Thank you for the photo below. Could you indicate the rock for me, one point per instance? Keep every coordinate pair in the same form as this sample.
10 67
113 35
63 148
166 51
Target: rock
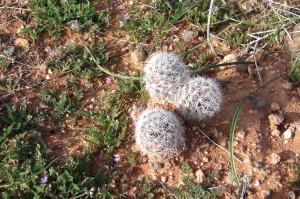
43 105
275 158
48 77
287 85
22 43
189 35
163 179
205 159
89 85
288 134
230 179
241 134
124 179
47 49
257 102
75 25
293 46
199 176
138 55
156 165
194 128
275 107
205 145
275 119
201 39
9 50
256 183
275 132
260 164
230 58
266 193
291 195
222 140
132 190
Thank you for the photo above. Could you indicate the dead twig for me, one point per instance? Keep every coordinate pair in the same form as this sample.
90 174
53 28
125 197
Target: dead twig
208 28
217 144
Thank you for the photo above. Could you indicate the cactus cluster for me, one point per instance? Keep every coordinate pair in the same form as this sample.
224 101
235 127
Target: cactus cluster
164 74
200 98
159 134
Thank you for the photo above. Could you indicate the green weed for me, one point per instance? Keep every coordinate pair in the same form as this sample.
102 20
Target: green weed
3 63
8 85
28 171
62 104
52 15
112 120
76 61
295 71
193 190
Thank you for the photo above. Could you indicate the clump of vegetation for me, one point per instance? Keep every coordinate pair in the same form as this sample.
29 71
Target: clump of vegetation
193 190
53 15
76 61
111 120
61 105
28 170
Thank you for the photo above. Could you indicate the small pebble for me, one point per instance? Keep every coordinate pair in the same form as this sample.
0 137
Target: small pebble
275 132
288 134
257 183
9 50
275 158
287 85
275 107
205 159
189 35
241 134
138 55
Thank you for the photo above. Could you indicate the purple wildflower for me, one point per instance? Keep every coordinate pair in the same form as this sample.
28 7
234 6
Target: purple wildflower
117 157
52 53
270 2
121 24
126 16
107 80
214 8
1 108
43 180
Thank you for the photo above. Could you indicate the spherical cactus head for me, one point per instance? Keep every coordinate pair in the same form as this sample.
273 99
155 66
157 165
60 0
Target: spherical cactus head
164 74
200 98
159 134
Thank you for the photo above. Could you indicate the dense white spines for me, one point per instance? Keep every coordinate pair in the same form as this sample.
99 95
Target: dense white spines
164 74
159 134
199 98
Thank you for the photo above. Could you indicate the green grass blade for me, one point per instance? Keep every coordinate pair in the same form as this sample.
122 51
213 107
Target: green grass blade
234 121
219 65
107 71
231 139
